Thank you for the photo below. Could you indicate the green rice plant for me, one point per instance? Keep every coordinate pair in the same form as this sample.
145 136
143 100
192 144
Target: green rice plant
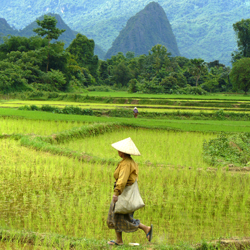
10 125
146 111
51 194
158 147
159 103
46 143
184 125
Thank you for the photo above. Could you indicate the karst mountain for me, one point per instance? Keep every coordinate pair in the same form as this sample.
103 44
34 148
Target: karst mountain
144 30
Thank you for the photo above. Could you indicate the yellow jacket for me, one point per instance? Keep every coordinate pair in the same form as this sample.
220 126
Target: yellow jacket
125 174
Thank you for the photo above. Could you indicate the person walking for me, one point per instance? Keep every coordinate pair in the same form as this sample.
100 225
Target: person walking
136 112
125 174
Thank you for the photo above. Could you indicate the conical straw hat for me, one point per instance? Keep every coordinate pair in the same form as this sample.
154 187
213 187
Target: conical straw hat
126 146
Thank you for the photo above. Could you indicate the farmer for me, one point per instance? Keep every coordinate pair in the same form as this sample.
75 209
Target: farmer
125 174
135 112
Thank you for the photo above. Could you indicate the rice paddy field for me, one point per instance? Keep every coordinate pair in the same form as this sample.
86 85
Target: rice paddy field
158 147
169 106
21 126
53 200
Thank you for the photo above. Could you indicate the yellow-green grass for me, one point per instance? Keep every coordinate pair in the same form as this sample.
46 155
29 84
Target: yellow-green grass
10 126
193 110
185 125
142 108
53 194
20 246
18 103
217 96
157 147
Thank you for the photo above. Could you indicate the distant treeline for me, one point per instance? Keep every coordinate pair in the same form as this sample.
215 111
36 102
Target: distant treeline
35 64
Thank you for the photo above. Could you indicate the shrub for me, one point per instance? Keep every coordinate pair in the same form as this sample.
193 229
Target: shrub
47 108
150 87
24 108
133 86
36 94
55 79
226 149
211 85
100 88
34 107
189 90
12 78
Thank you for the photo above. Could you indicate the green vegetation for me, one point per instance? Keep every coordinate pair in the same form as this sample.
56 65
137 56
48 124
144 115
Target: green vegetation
56 130
12 126
240 74
144 30
77 68
53 181
159 73
36 65
82 51
166 145
242 29
156 108
47 28
202 29
194 113
184 125
227 149
5 29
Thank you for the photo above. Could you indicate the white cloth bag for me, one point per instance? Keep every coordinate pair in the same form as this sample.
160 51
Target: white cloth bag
130 200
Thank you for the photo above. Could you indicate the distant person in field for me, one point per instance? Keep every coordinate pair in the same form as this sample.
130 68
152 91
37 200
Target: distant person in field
135 112
125 174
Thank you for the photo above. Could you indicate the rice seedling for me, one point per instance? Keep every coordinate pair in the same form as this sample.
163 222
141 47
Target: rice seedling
178 105
185 125
44 193
9 125
157 147
170 96
55 195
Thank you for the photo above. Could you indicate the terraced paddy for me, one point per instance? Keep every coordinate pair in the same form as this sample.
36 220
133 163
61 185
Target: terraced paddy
164 146
178 105
56 178
10 126
46 193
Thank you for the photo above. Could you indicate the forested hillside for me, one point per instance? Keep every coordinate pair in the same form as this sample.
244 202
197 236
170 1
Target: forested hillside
5 29
66 37
39 64
144 30
202 28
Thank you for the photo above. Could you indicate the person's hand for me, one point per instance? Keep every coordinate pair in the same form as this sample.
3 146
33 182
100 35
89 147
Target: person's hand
115 198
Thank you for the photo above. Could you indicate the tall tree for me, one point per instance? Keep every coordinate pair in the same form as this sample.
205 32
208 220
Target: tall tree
47 28
197 69
18 43
240 74
121 74
242 30
103 70
82 49
159 56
